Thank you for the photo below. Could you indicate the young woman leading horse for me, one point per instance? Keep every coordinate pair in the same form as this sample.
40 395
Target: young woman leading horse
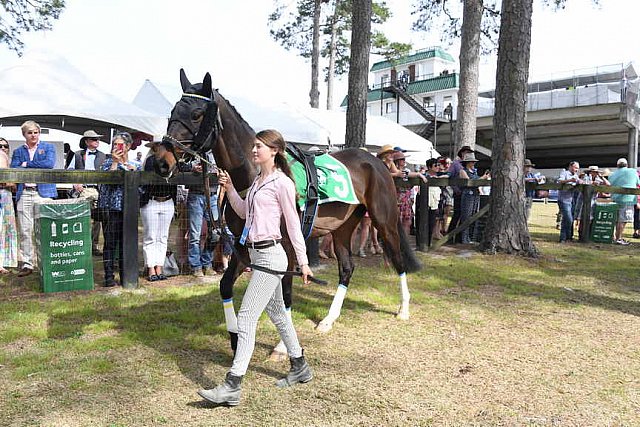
203 120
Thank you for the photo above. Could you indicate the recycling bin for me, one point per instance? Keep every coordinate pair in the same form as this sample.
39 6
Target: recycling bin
63 242
605 217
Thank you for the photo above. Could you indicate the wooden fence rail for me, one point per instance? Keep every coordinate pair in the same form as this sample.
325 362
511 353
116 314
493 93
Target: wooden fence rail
132 180
131 200
422 234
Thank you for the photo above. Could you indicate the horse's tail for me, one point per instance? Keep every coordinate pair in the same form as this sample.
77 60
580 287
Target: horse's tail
411 261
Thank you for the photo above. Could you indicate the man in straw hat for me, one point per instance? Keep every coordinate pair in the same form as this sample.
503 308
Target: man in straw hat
91 159
531 176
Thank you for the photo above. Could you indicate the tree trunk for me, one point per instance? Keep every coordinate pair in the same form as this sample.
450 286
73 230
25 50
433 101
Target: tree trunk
506 229
469 70
314 93
332 56
358 74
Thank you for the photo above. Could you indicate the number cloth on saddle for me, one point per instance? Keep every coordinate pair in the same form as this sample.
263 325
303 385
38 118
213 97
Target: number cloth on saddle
334 180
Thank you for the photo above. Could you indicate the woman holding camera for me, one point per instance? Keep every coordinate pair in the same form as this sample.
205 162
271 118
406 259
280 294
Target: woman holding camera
110 202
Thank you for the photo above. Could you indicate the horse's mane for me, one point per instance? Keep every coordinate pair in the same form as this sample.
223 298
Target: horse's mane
232 108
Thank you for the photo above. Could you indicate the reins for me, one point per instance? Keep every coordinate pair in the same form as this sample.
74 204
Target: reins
267 270
211 127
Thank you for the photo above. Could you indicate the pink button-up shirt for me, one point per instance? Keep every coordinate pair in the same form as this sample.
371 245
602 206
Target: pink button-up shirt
265 204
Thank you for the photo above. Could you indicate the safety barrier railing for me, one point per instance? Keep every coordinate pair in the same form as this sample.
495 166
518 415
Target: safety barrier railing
131 181
422 234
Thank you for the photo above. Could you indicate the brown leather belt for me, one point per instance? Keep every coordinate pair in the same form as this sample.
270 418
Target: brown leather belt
160 198
263 244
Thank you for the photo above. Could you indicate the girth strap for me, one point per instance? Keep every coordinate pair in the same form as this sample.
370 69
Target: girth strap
311 203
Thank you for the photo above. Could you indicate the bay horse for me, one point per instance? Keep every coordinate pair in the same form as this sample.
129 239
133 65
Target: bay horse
204 120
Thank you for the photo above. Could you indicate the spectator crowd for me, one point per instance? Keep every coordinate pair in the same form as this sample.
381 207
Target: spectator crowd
159 205
449 206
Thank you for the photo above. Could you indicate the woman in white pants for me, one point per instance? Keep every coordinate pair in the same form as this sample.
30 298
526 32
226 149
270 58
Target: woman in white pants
157 208
270 197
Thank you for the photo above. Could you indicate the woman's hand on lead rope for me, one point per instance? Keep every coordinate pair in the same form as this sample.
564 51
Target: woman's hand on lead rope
225 180
306 272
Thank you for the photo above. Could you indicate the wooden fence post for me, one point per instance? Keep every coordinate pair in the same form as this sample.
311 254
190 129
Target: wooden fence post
422 231
585 215
130 214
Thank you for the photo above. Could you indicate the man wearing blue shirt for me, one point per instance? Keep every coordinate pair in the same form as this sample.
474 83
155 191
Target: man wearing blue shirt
624 177
37 155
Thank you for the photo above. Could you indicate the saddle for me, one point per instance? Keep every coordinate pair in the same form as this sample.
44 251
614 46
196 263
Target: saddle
311 203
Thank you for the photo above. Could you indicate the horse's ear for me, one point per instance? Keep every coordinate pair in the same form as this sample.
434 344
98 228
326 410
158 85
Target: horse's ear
206 85
184 81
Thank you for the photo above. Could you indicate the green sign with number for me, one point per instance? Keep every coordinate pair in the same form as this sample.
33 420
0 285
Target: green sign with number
605 216
334 181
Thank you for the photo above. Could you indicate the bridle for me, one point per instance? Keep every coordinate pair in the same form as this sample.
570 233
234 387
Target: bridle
209 130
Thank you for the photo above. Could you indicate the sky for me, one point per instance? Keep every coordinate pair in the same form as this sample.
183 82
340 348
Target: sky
120 43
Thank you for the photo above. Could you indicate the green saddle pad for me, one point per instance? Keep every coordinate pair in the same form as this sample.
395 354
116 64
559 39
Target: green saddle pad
334 181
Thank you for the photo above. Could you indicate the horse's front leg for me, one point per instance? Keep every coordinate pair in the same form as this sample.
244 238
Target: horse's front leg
235 268
342 246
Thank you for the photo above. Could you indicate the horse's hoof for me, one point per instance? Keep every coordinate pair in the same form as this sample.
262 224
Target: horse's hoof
324 327
402 315
278 356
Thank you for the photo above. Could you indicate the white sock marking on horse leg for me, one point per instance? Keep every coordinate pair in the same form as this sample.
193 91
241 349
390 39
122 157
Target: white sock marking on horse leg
230 315
281 348
403 312
334 311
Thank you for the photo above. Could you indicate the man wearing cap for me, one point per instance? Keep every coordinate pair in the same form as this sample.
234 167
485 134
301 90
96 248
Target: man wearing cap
454 172
624 177
531 176
91 159
39 155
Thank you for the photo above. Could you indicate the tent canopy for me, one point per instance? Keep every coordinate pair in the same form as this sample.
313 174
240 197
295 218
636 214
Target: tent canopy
380 131
307 126
49 90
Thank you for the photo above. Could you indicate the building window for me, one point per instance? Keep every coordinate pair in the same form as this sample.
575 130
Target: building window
384 80
390 107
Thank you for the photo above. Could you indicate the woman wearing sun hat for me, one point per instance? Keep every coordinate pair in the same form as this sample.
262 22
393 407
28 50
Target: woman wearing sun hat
385 153
470 197
405 195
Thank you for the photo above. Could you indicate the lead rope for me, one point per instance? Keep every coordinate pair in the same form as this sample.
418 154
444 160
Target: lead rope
255 267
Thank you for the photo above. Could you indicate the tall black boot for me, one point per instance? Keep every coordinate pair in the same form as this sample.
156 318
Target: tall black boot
227 393
300 372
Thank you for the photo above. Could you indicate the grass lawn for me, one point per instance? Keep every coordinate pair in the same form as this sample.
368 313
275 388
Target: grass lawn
492 340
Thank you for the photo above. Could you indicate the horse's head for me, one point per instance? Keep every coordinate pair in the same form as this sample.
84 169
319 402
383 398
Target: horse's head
192 129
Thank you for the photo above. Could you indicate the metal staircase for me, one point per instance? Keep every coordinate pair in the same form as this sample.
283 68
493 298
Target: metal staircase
399 88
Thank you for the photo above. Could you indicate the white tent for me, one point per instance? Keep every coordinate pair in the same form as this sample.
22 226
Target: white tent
51 91
380 131
294 126
308 126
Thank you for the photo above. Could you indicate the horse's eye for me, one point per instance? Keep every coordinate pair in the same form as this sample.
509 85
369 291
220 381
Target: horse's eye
197 115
